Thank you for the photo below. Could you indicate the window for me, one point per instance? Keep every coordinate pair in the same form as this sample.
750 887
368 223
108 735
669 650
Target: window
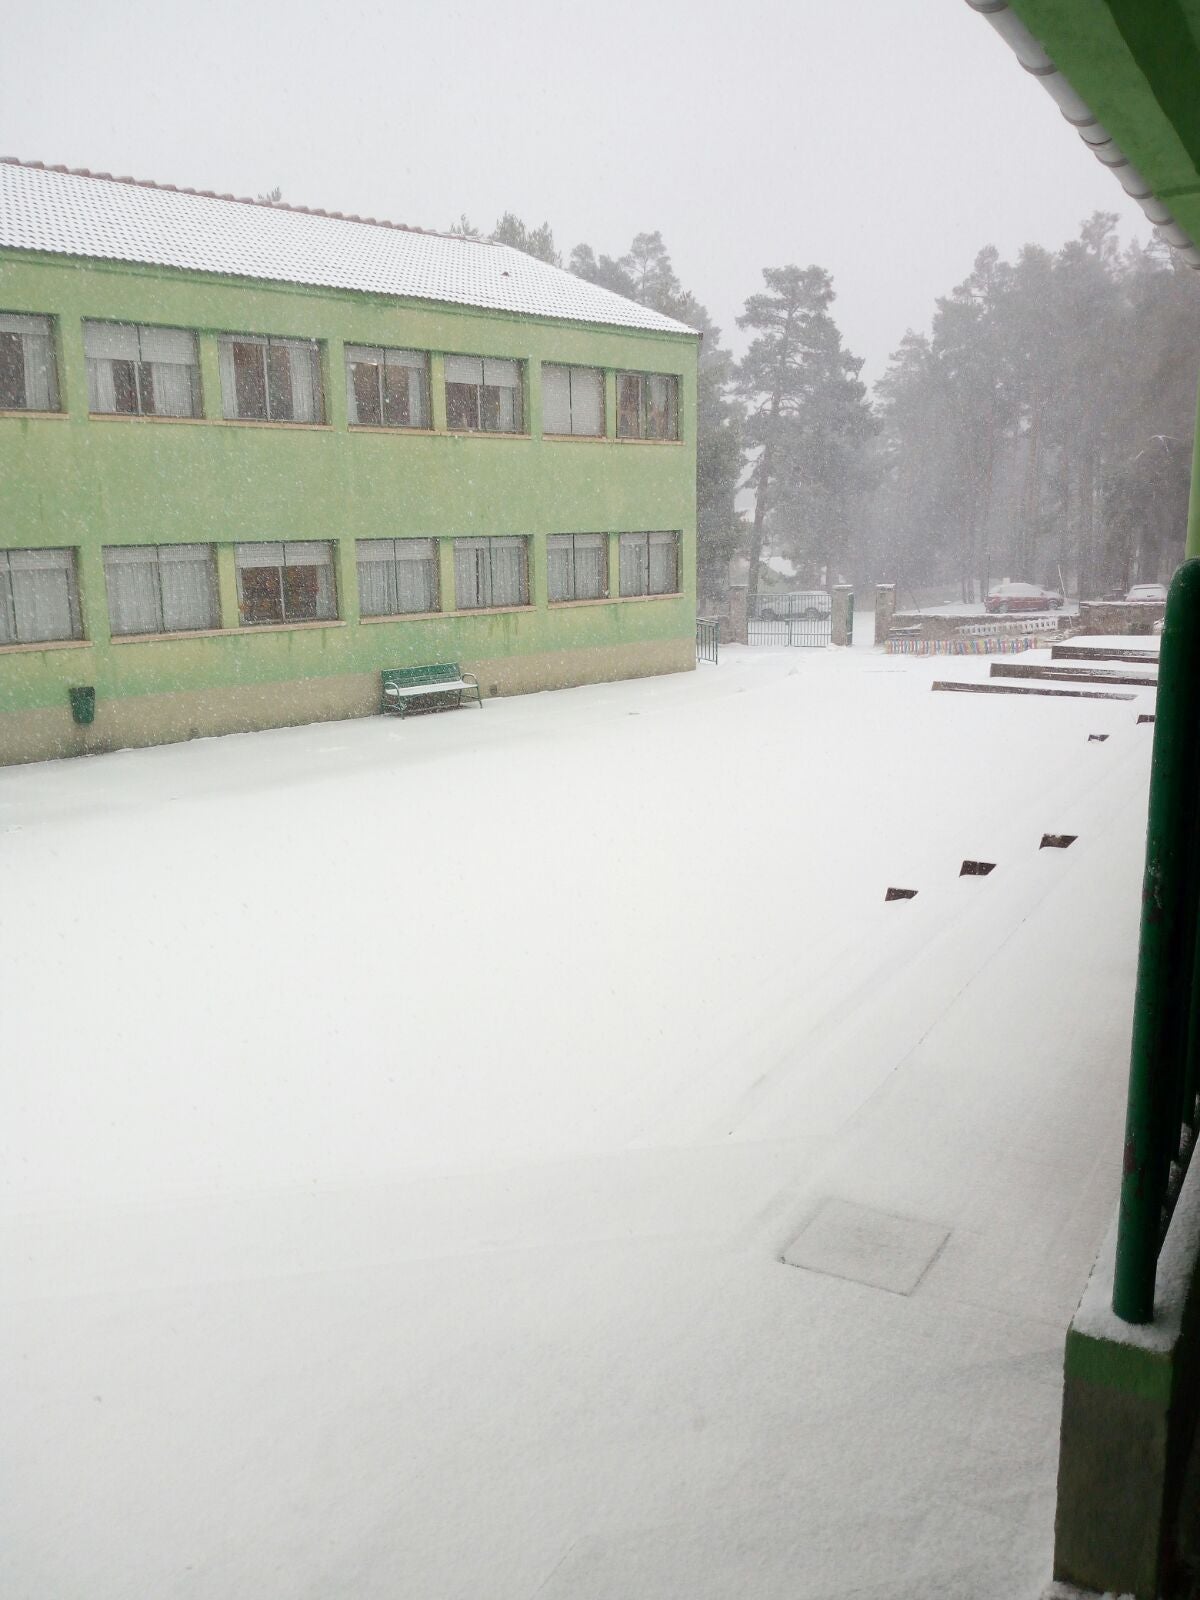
397 576
483 395
271 380
387 388
491 572
649 563
577 566
285 582
647 405
573 401
167 588
141 372
28 377
39 596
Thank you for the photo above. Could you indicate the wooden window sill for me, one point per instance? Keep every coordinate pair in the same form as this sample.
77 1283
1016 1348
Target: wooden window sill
620 440
404 616
284 627
566 605
382 427
46 644
224 633
631 598
139 416
487 611
482 433
188 633
260 422
578 438
42 416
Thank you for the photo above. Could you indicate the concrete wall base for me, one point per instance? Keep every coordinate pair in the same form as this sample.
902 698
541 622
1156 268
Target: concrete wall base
1130 1401
49 733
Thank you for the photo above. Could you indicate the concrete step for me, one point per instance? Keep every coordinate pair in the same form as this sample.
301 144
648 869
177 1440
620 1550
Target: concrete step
959 687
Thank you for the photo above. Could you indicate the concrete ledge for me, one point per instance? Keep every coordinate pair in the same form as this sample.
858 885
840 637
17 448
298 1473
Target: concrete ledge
127 721
1128 1421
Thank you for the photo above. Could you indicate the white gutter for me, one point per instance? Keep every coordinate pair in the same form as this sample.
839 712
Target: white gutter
1035 60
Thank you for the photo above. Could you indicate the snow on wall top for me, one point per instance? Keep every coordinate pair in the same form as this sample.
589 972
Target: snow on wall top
123 219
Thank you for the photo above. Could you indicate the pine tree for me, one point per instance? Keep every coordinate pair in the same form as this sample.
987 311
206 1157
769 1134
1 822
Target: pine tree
537 242
807 416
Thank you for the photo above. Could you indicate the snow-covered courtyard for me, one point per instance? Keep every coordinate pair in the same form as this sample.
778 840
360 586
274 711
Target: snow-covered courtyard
404 1125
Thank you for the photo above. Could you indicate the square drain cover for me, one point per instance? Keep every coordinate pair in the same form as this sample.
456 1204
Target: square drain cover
867 1246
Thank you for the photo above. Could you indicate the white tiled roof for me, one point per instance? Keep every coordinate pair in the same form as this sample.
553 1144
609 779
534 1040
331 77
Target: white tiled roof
116 219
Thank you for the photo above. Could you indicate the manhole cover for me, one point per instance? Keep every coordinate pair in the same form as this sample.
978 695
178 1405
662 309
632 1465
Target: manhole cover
873 1247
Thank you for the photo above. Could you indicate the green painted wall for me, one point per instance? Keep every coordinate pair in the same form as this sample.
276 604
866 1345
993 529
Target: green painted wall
88 482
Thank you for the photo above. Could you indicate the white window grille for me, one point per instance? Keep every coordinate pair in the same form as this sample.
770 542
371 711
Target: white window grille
577 566
39 596
491 572
136 371
573 401
397 576
169 588
28 374
387 388
285 582
270 380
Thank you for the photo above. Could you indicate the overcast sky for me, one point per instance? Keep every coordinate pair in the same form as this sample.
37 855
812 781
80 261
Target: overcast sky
887 140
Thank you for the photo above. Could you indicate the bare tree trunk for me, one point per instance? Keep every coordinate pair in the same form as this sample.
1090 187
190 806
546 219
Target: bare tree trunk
1087 525
760 514
1031 499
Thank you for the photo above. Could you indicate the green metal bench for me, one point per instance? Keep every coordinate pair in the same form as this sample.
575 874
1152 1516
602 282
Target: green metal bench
442 687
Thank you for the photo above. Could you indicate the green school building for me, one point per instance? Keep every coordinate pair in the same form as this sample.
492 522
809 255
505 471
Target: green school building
251 455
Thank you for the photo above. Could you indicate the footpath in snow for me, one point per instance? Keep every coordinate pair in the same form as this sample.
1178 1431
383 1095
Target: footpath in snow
519 1153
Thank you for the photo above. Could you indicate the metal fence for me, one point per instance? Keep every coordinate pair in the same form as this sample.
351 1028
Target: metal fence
1161 1120
708 639
800 621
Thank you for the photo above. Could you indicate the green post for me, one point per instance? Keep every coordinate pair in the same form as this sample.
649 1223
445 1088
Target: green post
1159 1043
1193 527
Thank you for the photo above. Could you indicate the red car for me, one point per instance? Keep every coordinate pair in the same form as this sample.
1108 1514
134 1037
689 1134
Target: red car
1007 597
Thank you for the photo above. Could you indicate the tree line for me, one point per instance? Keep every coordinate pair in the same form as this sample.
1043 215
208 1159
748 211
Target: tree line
1041 430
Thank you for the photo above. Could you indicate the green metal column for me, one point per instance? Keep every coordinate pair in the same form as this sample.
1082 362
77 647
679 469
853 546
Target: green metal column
1193 527
1165 954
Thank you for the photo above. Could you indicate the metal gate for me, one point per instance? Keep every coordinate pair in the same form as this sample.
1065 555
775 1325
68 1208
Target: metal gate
708 639
801 621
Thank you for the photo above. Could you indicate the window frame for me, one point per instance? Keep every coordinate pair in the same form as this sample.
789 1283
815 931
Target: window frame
48 332
571 369
383 351
648 537
521 406
673 407
574 598
397 544
281 566
489 542
140 364
315 349
155 551
9 613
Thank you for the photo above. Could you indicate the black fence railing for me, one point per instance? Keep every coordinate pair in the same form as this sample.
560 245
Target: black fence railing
708 639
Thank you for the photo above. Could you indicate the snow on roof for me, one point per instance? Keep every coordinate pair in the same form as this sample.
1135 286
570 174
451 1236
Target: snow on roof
124 219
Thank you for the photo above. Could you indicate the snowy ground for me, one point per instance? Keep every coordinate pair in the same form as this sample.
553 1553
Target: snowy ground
402 1124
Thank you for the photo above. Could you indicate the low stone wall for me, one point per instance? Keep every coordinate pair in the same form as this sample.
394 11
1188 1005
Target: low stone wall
920 625
1120 616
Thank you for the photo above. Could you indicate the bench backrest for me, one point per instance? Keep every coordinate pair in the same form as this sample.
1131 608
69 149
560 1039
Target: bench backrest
410 677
